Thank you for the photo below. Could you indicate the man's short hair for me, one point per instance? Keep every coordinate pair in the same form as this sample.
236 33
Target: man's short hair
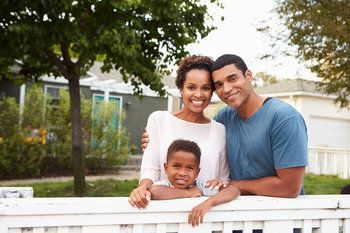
186 146
229 59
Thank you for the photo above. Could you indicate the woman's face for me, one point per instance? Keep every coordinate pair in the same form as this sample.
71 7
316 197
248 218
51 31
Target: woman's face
196 91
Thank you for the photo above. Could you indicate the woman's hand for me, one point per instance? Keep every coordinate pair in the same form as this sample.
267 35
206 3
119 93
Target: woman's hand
140 197
216 183
144 140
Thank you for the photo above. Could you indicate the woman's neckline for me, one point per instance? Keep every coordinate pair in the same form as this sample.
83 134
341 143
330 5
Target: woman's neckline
188 122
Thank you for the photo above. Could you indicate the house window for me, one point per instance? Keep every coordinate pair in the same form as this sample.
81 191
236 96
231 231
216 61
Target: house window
54 92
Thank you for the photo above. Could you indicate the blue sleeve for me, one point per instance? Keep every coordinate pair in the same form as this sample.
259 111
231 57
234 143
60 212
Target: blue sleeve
220 116
289 142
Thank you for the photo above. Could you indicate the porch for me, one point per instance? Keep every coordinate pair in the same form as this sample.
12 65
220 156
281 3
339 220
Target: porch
311 213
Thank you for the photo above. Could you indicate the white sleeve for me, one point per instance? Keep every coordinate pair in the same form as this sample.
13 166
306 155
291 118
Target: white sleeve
224 172
150 166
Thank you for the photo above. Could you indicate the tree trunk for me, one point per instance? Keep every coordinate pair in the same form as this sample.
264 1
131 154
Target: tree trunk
77 137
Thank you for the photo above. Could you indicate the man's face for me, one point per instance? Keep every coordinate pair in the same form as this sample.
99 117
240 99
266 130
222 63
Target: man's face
182 169
232 86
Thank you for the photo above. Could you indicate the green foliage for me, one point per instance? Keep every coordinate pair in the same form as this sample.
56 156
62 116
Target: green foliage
320 32
112 141
108 145
24 150
140 37
21 148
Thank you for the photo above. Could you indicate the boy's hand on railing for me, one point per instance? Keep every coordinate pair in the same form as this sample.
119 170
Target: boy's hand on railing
140 197
196 215
194 191
216 183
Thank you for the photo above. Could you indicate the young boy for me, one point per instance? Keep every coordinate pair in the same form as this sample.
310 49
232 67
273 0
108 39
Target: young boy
182 168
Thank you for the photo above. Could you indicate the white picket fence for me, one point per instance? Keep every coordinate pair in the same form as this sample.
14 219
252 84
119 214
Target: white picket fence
329 161
311 213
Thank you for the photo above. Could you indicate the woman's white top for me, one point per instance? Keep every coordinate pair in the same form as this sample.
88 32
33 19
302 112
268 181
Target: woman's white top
163 128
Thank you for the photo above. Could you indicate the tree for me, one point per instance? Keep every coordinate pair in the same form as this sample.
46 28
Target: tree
264 79
320 32
64 38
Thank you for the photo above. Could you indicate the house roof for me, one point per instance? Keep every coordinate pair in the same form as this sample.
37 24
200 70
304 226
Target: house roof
113 74
289 86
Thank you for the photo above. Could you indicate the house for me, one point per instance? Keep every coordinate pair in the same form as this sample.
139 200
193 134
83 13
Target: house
328 125
108 86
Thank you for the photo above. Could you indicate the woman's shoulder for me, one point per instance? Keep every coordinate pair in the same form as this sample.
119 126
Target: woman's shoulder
158 114
218 126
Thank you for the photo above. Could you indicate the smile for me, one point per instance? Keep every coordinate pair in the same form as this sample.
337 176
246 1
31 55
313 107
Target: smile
232 96
197 102
180 181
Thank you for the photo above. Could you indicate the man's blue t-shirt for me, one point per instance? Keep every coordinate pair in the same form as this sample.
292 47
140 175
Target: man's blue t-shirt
274 137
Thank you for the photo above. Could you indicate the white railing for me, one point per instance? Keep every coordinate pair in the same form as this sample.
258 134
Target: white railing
329 161
312 213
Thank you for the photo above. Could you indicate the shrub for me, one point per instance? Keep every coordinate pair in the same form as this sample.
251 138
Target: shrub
22 147
41 144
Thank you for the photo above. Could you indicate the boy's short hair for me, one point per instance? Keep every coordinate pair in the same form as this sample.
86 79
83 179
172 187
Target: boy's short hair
229 59
186 146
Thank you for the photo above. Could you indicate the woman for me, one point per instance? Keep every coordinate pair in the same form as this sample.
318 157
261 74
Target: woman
196 87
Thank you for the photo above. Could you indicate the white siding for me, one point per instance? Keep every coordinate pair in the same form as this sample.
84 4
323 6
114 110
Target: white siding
328 132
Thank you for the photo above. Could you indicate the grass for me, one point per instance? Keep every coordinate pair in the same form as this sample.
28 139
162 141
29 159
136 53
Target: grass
313 184
98 188
316 184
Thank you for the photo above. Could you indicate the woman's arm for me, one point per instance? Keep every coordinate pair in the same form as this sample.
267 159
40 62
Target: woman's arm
140 196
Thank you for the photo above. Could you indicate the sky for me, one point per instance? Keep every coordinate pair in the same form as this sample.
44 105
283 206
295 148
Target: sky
237 34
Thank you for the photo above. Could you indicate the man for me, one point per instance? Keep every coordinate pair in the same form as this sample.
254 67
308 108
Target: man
266 139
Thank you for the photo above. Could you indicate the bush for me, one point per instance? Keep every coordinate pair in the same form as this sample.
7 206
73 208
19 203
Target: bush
41 144
22 148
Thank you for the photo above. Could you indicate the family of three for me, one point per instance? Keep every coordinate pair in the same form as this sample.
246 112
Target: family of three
254 145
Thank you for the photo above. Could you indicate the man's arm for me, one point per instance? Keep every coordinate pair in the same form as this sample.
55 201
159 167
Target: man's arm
162 192
287 183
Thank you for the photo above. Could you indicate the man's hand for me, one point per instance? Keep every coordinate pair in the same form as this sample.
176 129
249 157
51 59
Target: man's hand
140 197
144 140
216 183
197 213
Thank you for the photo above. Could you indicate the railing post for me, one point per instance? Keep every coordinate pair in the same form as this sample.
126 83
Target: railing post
276 226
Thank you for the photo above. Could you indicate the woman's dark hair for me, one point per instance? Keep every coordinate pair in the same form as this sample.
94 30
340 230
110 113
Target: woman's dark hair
229 59
192 62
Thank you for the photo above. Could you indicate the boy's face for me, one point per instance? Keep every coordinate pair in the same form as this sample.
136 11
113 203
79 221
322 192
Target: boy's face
182 169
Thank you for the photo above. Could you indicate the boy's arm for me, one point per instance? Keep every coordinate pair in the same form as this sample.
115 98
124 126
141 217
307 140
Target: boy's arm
225 195
162 192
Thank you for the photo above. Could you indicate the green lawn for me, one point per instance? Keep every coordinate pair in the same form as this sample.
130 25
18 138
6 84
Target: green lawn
98 188
115 188
324 184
